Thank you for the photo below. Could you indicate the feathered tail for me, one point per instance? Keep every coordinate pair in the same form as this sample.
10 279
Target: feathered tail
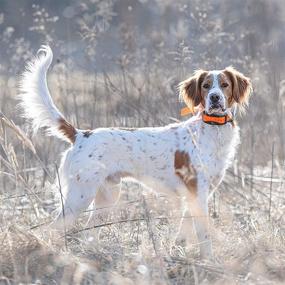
37 102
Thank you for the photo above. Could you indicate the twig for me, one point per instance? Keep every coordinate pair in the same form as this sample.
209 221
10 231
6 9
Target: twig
215 215
107 224
39 225
147 219
151 235
127 221
62 205
252 161
118 205
270 193
22 195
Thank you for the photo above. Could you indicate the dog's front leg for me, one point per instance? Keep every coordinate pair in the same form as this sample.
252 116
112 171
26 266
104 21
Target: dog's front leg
199 211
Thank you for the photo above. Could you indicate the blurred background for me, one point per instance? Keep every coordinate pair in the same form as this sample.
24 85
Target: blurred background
118 63
135 53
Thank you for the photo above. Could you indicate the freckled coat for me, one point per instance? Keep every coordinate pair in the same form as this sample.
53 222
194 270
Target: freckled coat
167 157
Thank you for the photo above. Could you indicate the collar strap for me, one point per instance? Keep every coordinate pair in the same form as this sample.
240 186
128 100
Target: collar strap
216 119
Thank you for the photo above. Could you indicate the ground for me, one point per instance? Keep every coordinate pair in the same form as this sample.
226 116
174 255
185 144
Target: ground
135 243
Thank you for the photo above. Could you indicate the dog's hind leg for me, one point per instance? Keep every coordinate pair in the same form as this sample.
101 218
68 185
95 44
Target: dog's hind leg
106 197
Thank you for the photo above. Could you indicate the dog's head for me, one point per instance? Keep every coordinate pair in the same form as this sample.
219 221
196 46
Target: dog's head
216 91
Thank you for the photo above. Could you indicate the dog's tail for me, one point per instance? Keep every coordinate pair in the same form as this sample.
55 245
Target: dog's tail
37 102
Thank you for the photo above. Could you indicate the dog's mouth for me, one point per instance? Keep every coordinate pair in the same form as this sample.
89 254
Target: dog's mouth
216 109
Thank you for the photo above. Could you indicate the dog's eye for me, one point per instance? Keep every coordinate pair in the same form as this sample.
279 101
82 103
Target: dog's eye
224 85
206 86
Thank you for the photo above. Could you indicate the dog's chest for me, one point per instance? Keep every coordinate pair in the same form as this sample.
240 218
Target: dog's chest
214 148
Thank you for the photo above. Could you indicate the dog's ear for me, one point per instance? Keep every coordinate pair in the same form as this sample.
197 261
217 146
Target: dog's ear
241 87
190 89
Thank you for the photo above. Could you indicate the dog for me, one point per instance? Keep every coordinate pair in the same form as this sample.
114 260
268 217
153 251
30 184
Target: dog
188 158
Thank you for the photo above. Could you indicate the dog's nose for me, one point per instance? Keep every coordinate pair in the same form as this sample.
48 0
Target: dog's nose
215 98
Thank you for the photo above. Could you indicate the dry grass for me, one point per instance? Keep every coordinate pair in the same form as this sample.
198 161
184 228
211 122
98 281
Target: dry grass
135 243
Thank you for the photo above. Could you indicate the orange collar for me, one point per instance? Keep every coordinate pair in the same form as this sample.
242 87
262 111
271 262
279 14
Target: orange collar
211 119
216 119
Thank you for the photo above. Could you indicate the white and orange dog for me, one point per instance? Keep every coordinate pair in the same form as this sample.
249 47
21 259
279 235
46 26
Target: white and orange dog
187 158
